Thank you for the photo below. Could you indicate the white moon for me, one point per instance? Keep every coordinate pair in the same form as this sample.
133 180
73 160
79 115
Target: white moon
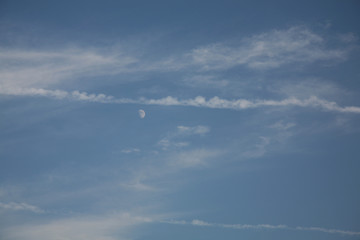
141 113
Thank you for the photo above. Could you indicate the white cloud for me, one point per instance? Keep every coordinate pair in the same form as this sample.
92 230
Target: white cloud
201 223
206 81
172 140
348 37
13 206
197 130
268 50
130 150
259 149
166 143
197 222
199 101
139 186
306 88
280 125
40 68
240 104
326 230
31 68
120 226
257 227
79 228
192 158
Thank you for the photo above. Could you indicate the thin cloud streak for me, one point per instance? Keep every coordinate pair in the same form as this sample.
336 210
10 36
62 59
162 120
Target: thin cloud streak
199 101
201 223
13 206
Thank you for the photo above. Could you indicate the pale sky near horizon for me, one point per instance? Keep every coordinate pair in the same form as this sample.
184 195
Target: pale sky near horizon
179 120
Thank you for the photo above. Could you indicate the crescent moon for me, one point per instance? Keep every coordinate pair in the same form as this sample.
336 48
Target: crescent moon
141 113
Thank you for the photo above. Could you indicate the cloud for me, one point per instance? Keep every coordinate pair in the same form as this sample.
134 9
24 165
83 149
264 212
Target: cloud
167 142
13 206
327 230
40 68
259 149
201 223
130 150
240 104
192 158
197 130
268 50
197 222
172 140
348 37
139 186
119 226
79 228
206 81
34 68
280 125
306 88
199 101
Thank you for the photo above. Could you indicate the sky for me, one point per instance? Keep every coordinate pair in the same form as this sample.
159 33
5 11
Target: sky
134 120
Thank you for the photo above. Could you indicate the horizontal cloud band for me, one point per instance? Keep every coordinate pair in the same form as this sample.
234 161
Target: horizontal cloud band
196 222
215 102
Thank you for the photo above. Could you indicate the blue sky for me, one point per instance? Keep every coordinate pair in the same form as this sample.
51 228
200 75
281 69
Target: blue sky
251 126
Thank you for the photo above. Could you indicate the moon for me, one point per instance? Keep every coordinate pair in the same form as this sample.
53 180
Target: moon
141 113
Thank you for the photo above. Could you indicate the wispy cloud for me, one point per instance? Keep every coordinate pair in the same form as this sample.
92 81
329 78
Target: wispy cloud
36 68
79 228
13 206
206 81
175 139
200 130
268 50
130 150
281 125
40 68
201 223
259 149
192 158
137 185
167 142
